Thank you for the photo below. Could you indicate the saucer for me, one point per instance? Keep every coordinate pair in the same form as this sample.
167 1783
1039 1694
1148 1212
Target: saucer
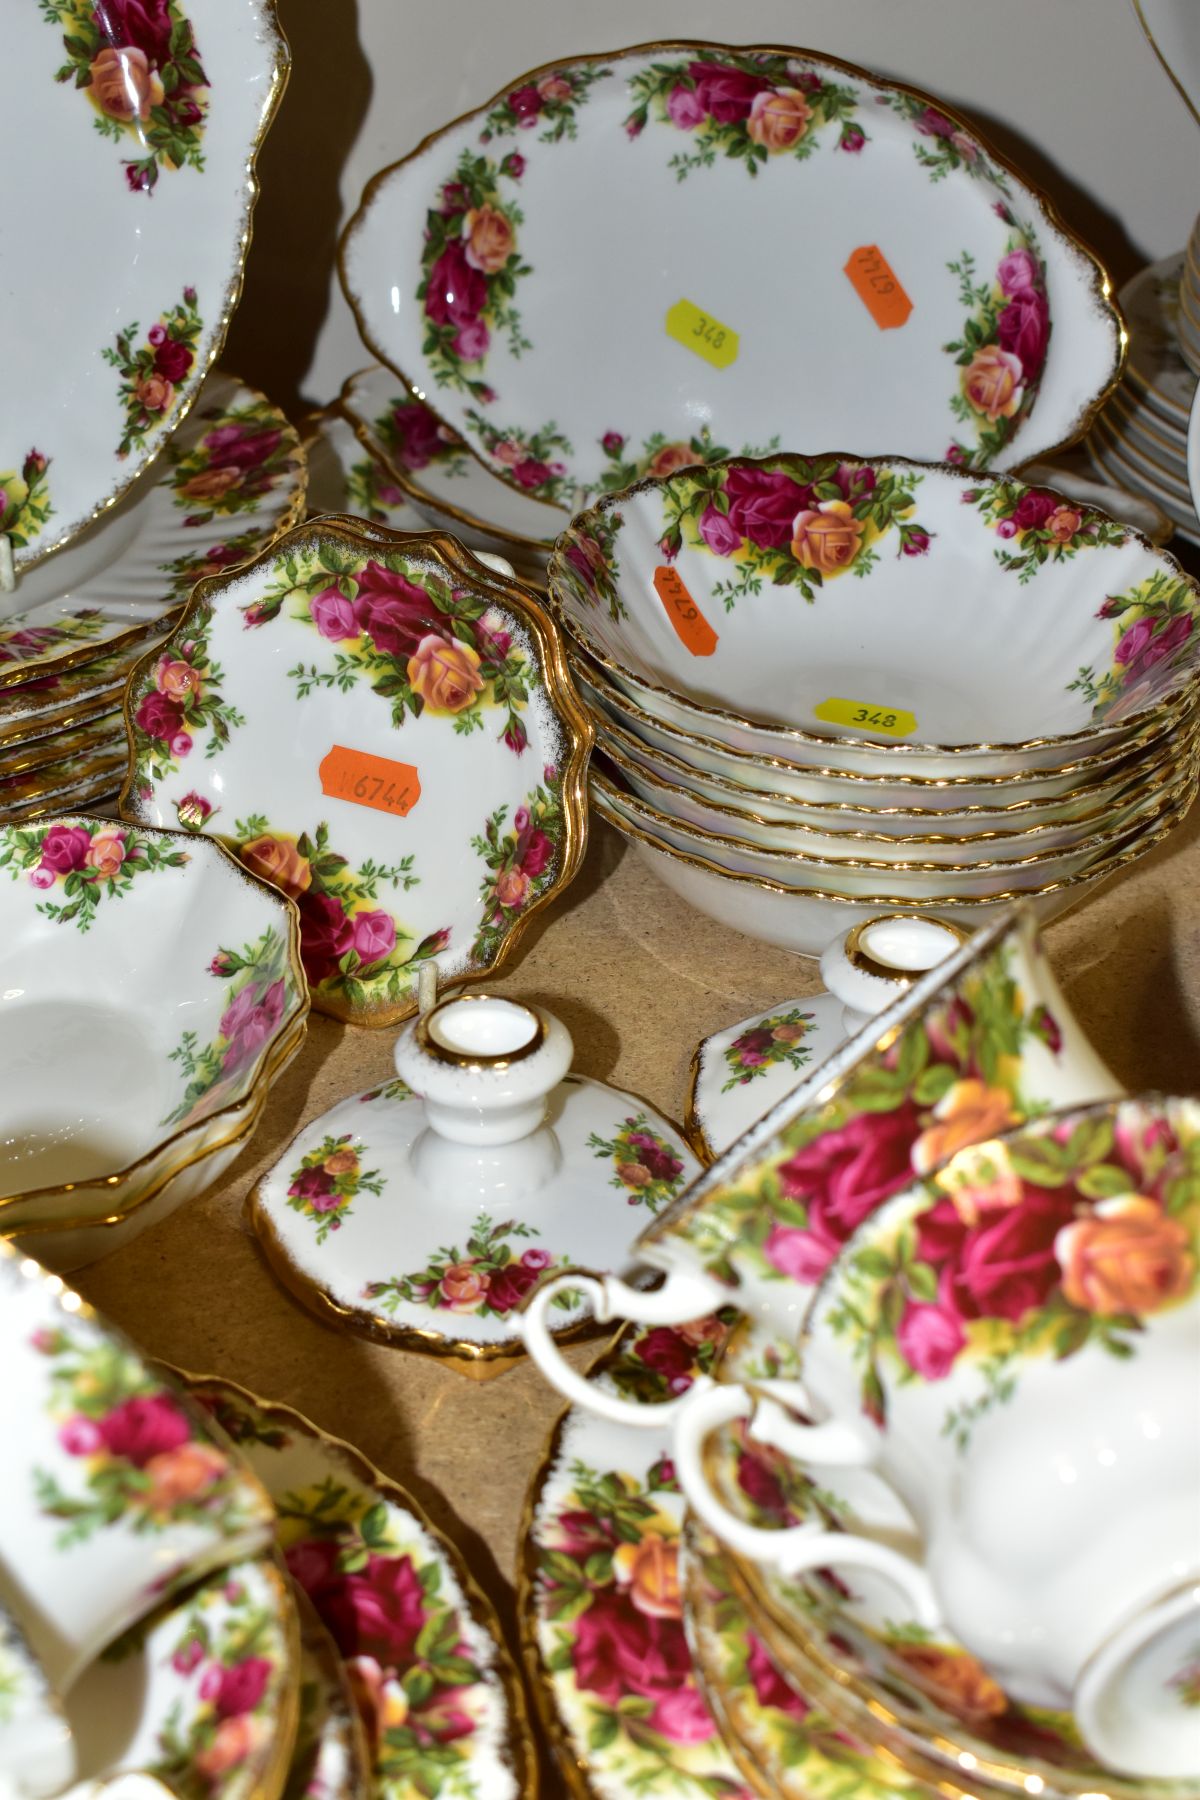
203 1695
738 1074
385 730
439 1699
369 1240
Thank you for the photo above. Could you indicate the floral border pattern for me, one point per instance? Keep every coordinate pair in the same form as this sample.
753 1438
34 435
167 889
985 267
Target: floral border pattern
774 1040
150 372
486 1280
87 864
528 460
470 269
415 438
139 66
1041 526
245 453
1002 349
1155 627
551 101
25 499
327 1179
644 1165
521 862
260 993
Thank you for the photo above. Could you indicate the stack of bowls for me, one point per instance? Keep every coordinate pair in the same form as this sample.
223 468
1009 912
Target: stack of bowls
825 686
1140 439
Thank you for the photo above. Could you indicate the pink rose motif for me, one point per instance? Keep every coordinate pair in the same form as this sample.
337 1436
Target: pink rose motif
530 473
188 1657
852 139
655 1156
159 717
1019 272
554 87
394 612
508 1287
929 1339
143 1427
856 480
770 1688
612 443
325 935
1142 647
933 123
516 736
471 340
234 447
801 1255
417 433
65 848
763 504
374 936
914 543
333 615
454 292
684 108
377 1611
512 888
181 743
537 855
1023 328
537 1259
726 95
526 103
718 533
237 1689
81 1436
683 1717
255 1027
845 1175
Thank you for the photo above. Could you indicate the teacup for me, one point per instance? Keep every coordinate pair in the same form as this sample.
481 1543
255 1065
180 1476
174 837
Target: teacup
1012 1345
981 1042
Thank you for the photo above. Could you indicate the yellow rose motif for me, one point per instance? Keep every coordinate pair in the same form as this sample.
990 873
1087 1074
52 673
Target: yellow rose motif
979 1179
342 1162
278 862
445 673
106 853
967 1113
669 459
487 238
779 119
123 84
650 1570
955 1680
828 538
992 382
1129 1256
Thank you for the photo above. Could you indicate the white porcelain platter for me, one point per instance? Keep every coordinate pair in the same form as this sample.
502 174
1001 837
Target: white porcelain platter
882 617
384 731
232 477
433 467
123 269
555 273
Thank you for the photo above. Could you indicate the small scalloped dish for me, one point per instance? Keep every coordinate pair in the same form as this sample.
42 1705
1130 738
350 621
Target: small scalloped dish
950 624
151 991
499 263
386 731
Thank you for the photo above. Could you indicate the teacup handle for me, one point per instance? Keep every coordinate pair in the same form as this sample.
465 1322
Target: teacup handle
681 1298
834 1444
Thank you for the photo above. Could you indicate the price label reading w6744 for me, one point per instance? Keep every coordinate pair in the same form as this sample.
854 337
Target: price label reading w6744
878 287
365 780
691 627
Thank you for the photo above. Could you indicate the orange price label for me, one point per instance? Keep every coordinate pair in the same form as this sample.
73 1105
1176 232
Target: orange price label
691 627
364 780
878 287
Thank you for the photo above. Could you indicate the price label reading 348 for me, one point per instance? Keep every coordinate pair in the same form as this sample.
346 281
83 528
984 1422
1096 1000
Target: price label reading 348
866 717
700 333
366 780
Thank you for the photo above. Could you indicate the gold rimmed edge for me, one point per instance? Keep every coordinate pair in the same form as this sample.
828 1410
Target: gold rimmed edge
1159 710
243 1130
1141 783
475 1060
563 702
100 793
45 721
477 1361
1148 732
1101 869
1155 741
354 415
37 752
281 66
1169 71
1121 455
1102 841
518 1742
99 765
693 1123
1118 411
298 1014
18 674
1100 282
1140 461
862 959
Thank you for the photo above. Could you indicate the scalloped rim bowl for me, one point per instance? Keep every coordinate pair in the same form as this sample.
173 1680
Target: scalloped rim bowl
978 626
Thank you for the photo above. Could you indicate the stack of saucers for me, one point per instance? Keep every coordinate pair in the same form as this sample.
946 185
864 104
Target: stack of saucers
826 685
1140 439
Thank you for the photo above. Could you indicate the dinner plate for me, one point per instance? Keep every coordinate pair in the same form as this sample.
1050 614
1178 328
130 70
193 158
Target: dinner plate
439 1698
512 267
230 479
123 273
386 732
1150 301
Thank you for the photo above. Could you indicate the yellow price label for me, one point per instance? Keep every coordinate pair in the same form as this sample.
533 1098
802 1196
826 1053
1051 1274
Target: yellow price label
867 717
701 333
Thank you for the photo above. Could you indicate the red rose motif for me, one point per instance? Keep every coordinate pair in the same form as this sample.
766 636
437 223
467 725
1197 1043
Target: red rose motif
455 292
143 1427
159 717
312 1184
664 1351
770 1688
845 1174
531 473
763 504
395 613
654 1156
145 24
1023 329
234 447
249 1024
325 935
173 359
620 1650
1033 509
537 854
377 1611
726 94
759 1482
65 848
1004 1266
508 1287
417 433
526 103
239 1688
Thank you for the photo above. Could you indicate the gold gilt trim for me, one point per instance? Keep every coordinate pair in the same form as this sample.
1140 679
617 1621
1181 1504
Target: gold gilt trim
566 707
881 971
602 799
693 1124
820 741
442 1052
280 70
1106 759
479 1362
1144 781
1100 282
101 793
99 1185
1171 75
49 749
17 674
1141 462
346 408
521 1755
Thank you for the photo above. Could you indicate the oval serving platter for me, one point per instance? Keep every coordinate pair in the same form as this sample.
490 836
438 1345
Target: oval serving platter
573 274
